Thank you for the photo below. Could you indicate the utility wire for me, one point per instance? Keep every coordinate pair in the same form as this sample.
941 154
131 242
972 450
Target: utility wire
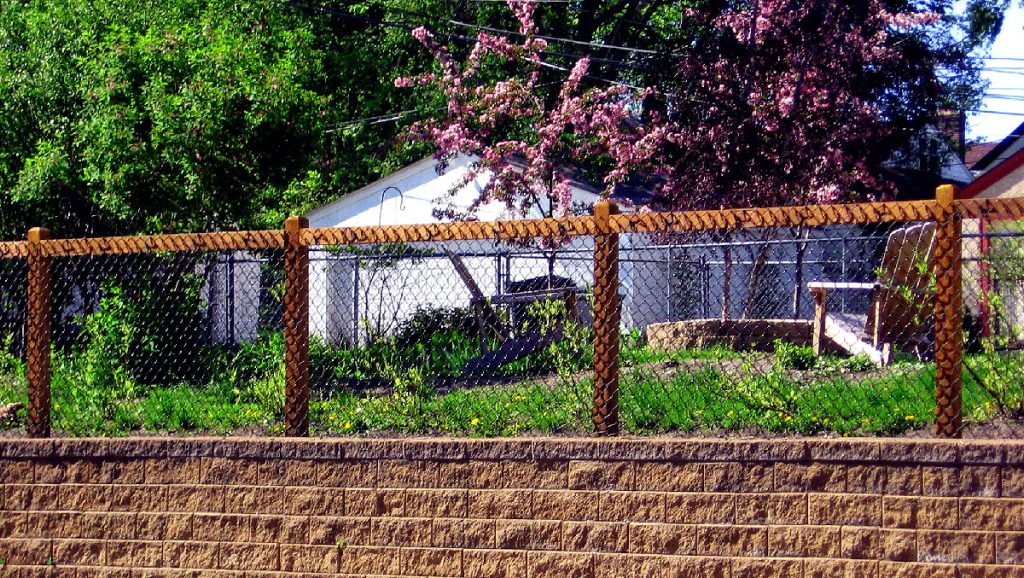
556 39
407 26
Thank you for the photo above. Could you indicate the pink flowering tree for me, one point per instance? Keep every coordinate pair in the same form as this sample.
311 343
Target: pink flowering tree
785 101
778 102
532 142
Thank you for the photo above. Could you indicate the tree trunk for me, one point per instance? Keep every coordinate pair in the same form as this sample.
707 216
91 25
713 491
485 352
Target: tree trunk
801 248
757 275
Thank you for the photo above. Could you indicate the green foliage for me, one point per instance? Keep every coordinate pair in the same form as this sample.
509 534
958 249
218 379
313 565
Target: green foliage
149 337
9 363
13 386
187 114
791 356
1000 376
427 323
831 364
575 350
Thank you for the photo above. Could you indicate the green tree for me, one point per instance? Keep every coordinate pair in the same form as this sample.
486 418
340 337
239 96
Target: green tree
128 115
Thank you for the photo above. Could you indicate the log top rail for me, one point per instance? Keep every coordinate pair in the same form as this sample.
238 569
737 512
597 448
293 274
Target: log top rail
1011 208
808 216
179 242
13 249
563 227
461 231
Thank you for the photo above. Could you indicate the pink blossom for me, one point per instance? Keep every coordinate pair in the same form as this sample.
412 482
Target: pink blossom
772 128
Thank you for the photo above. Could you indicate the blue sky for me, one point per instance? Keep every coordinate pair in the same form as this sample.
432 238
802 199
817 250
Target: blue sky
1006 78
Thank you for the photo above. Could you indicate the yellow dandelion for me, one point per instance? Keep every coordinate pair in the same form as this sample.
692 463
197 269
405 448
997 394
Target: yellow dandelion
475 421
909 418
348 425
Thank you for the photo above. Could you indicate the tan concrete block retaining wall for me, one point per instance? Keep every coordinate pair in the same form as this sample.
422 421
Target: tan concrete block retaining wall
519 508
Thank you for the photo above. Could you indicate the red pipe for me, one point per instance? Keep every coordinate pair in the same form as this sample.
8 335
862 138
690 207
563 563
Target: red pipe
986 280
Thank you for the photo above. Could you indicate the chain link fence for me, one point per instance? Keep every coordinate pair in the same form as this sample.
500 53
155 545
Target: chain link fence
468 337
13 308
167 341
885 319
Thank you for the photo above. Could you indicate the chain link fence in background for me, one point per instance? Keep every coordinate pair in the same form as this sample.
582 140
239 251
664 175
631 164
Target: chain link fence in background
884 319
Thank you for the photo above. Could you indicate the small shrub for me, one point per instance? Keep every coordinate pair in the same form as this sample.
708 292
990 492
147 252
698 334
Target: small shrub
9 363
789 356
575 350
426 323
855 363
150 334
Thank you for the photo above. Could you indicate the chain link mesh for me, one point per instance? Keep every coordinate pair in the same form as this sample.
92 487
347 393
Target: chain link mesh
887 319
13 314
187 341
795 330
478 337
992 282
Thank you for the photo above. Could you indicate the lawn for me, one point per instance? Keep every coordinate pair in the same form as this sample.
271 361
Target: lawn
398 385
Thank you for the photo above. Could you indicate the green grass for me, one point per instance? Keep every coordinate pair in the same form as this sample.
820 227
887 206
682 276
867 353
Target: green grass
708 390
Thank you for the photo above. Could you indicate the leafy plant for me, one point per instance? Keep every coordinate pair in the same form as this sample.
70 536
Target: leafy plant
9 363
574 350
828 363
789 356
426 323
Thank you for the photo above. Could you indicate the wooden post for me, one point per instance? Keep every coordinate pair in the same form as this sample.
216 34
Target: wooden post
949 342
818 337
296 328
40 300
606 322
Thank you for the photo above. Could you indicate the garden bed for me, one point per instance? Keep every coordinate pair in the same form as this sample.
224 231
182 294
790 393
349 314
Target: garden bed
738 334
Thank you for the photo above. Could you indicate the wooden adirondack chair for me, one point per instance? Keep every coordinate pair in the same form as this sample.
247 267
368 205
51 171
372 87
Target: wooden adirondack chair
901 301
511 345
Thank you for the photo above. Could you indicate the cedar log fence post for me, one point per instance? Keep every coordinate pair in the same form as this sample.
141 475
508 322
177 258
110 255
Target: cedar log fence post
296 328
606 321
949 342
37 336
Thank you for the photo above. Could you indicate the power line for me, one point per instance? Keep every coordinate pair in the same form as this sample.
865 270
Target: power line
408 26
1002 112
514 33
556 39
371 120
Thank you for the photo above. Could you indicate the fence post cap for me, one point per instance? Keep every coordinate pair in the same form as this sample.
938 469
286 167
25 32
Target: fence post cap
36 234
605 208
294 223
947 193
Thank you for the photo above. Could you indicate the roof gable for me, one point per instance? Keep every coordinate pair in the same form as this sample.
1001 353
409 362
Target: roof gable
408 196
1002 151
992 177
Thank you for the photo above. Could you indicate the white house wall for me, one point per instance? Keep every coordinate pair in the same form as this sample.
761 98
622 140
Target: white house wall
1012 185
347 304
353 298
411 195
